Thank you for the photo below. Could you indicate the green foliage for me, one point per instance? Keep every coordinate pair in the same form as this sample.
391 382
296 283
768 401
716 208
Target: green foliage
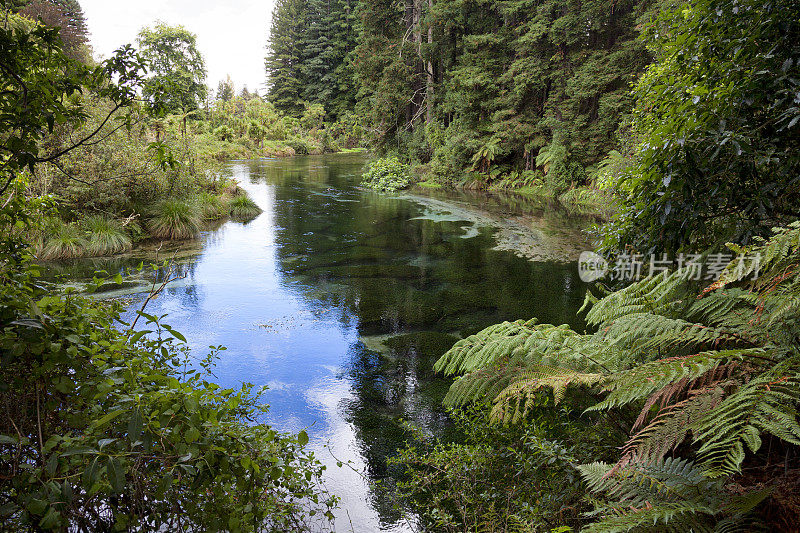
39 82
310 44
223 133
387 174
174 219
507 479
505 80
106 236
176 83
241 207
68 17
105 429
211 206
225 90
709 376
66 241
717 123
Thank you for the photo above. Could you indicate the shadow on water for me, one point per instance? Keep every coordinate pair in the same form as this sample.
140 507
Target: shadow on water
340 300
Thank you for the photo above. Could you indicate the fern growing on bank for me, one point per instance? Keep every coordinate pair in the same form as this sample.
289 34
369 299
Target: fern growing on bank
702 376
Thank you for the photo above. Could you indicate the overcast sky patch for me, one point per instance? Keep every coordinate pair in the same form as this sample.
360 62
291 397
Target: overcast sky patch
231 35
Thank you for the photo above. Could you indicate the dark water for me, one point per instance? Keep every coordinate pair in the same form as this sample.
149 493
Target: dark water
340 300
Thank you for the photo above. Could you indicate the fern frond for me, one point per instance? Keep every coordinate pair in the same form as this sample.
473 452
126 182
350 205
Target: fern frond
640 382
533 379
650 336
656 295
486 347
766 404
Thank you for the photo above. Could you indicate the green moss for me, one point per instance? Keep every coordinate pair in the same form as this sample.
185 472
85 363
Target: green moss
429 184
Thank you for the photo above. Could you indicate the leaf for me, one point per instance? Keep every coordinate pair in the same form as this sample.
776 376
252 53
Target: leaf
79 450
302 438
116 475
135 426
107 418
102 443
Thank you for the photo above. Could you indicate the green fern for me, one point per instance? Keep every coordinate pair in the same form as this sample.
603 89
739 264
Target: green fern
710 370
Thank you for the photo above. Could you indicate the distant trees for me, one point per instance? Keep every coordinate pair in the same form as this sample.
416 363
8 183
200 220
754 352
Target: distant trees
309 55
67 15
225 90
512 78
176 83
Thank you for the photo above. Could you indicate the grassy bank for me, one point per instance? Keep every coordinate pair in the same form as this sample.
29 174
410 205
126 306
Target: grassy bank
163 176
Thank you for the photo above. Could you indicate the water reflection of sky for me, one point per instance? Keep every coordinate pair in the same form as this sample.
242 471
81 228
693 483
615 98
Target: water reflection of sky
302 335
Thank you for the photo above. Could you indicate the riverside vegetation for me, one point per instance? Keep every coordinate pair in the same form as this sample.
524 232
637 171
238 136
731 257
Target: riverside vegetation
104 427
156 174
675 411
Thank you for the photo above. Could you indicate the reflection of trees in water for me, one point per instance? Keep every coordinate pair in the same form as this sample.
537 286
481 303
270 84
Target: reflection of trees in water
398 385
368 263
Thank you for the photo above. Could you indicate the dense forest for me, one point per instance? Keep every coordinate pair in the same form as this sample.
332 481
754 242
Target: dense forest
678 122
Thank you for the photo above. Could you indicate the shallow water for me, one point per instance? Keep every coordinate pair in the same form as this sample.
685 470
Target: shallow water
340 300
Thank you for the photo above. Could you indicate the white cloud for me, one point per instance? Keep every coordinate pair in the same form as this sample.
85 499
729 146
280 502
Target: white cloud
231 35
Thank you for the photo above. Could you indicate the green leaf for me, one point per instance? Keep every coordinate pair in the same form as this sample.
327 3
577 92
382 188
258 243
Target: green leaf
302 438
116 475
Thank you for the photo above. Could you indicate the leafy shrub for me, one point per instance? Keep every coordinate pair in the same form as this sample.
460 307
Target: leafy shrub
560 168
174 219
241 207
301 145
708 169
108 430
106 236
67 241
502 478
223 133
387 174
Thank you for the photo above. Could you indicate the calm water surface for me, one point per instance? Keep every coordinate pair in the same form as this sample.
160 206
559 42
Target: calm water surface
340 300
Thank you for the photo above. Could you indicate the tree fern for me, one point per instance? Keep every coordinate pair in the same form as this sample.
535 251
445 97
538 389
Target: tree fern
705 371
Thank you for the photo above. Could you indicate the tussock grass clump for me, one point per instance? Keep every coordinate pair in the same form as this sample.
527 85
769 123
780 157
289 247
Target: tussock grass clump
211 206
67 241
174 219
241 207
106 236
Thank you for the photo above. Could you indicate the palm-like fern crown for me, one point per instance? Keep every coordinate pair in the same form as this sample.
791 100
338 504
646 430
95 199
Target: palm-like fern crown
714 369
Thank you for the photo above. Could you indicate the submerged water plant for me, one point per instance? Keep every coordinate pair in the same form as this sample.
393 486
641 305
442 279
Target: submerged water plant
174 219
241 207
106 236
67 241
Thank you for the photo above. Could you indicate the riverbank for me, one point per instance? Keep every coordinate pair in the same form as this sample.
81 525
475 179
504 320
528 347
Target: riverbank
390 174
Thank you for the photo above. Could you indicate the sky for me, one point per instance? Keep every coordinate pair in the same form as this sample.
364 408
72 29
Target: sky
231 35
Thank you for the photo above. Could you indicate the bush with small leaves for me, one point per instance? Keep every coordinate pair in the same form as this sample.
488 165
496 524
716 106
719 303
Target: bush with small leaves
387 174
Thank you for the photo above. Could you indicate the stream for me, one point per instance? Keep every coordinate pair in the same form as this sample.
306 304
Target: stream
340 300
